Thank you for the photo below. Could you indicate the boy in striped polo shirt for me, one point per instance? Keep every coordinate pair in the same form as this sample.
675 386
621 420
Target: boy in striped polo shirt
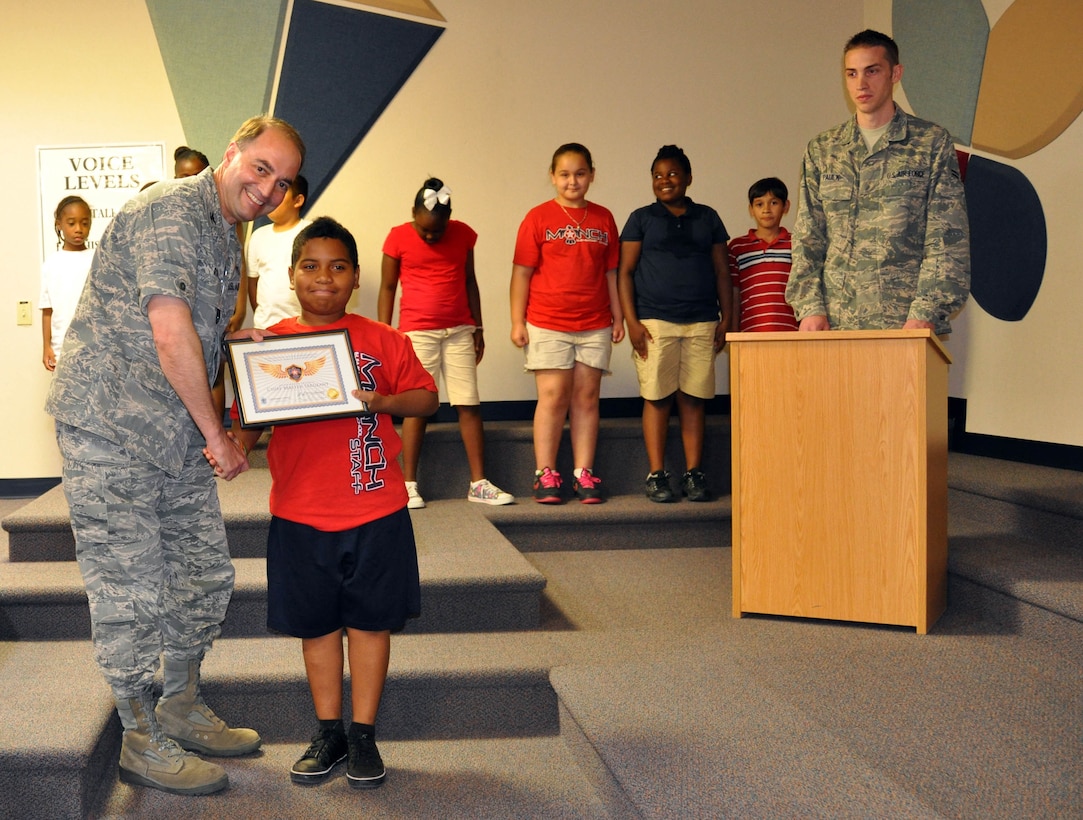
760 261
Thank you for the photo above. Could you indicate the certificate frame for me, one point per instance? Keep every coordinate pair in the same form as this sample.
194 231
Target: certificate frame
294 378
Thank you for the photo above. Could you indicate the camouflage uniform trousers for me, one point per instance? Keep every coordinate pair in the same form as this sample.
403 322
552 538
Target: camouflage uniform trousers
152 550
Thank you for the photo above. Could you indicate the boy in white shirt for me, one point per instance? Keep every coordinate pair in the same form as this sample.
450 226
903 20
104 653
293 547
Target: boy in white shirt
269 251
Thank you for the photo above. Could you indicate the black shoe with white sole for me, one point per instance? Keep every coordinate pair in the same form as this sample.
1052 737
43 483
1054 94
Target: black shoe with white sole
366 768
327 750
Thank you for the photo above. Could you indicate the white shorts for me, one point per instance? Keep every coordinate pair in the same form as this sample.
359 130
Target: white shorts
560 350
449 353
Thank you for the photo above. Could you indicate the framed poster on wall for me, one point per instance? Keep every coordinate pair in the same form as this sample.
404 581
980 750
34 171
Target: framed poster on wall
106 176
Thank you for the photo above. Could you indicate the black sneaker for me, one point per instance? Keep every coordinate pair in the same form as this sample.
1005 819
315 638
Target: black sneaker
694 485
366 768
547 487
658 488
588 487
327 750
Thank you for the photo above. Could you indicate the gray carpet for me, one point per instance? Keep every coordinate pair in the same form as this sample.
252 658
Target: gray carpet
695 714
637 694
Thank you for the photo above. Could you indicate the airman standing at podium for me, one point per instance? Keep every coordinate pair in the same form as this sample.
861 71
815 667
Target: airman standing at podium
881 239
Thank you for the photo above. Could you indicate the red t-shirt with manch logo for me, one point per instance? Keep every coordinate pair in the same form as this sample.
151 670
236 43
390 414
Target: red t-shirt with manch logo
338 474
570 250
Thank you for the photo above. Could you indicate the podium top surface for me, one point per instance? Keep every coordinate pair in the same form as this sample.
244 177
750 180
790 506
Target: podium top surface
840 335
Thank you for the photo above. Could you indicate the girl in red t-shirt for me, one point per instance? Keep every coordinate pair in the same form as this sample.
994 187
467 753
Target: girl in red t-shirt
433 258
566 315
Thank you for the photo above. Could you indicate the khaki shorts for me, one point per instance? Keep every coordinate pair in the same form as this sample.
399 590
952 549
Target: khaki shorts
560 350
681 356
449 353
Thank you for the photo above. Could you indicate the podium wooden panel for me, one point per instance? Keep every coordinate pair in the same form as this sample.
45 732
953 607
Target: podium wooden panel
840 475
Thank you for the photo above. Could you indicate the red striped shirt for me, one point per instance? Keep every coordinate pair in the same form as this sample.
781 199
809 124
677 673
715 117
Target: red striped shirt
760 272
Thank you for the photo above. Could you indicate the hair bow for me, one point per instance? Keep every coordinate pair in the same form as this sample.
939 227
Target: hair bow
431 197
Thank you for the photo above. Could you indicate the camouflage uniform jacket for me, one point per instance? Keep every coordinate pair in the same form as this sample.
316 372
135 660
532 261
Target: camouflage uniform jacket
168 240
881 236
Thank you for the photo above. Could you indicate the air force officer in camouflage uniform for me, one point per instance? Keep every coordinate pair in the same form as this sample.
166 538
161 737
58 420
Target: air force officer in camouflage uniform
133 409
881 239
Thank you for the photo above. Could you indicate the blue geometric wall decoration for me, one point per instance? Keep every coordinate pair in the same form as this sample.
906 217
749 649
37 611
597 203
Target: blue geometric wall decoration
1008 239
340 68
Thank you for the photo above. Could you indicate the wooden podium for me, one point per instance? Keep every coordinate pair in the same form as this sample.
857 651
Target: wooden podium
840 475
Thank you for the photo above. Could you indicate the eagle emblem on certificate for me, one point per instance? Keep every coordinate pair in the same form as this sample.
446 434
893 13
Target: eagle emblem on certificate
293 372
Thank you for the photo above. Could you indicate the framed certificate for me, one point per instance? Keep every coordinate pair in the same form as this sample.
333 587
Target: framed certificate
301 377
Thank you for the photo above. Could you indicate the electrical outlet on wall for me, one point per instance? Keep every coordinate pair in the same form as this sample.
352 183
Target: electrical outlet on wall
23 314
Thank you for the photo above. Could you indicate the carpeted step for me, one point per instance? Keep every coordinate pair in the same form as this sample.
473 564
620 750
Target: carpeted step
53 766
1039 502
623 522
40 530
1015 553
1032 587
834 721
533 777
61 736
621 458
472 579
782 766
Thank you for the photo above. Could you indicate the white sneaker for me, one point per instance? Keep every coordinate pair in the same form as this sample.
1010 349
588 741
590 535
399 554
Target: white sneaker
485 492
415 501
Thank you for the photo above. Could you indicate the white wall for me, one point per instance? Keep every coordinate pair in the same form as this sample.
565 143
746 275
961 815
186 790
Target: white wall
740 85
1023 379
500 91
70 73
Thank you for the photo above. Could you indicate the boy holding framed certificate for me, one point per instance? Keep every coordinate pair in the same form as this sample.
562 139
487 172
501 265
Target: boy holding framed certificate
340 550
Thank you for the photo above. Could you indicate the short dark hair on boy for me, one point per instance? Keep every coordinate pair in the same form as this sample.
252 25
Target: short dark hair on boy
674 153
324 227
870 38
768 185
299 186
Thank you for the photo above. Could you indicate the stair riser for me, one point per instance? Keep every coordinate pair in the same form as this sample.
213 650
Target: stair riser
1007 518
621 461
1061 634
430 709
443 610
559 537
57 544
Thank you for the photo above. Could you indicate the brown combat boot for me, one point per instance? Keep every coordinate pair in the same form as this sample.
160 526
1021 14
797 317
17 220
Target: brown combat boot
149 758
185 718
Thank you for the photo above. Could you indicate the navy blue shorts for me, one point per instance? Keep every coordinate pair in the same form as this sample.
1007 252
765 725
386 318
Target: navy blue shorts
364 578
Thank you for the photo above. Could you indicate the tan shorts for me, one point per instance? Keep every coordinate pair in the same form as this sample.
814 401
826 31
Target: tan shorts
450 354
560 350
681 356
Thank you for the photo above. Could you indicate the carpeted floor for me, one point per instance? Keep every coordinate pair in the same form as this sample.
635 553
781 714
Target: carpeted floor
697 714
669 707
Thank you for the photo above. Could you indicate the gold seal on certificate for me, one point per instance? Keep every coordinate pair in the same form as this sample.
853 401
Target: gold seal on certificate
301 377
